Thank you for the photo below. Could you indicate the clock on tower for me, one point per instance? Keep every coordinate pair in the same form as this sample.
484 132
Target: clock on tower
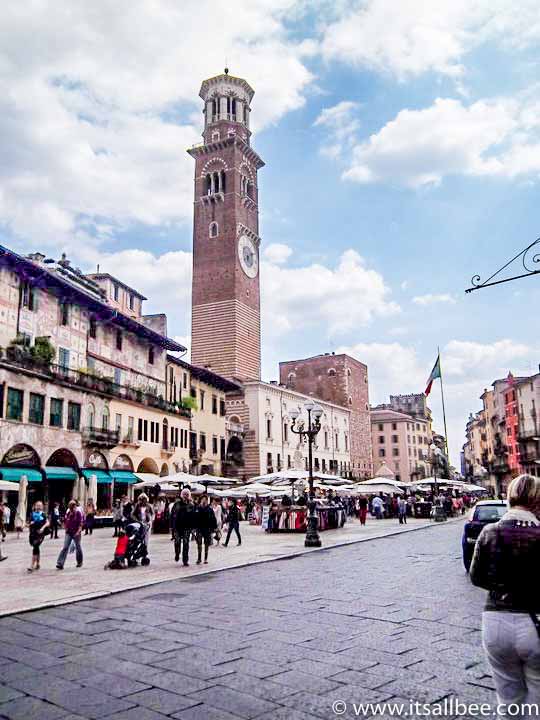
225 325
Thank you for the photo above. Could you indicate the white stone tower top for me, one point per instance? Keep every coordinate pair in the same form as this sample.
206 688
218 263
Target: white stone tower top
226 100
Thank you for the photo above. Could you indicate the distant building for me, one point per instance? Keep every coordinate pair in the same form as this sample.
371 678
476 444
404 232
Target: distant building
401 442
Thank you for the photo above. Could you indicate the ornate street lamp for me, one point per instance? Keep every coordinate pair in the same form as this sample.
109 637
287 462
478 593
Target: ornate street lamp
314 413
435 459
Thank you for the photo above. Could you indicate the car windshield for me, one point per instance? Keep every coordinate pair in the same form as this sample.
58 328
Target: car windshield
487 513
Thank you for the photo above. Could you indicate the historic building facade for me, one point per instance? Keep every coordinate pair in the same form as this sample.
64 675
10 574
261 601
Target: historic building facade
85 384
402 442
342 380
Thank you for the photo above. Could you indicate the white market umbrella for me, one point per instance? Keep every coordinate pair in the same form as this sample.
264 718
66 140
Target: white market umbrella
281 476
208 479
92 489
80 491
370 487
22 506
378 481
7 486
181 477
385 472
330 479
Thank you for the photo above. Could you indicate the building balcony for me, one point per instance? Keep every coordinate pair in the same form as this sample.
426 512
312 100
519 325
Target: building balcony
101 437
524 435
129 440
167 451
87 382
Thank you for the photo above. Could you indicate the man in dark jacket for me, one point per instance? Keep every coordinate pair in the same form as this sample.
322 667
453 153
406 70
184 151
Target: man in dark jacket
233 519
206 524
184 523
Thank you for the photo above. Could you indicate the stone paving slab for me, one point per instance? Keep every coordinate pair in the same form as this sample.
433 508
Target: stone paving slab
237 644
22 591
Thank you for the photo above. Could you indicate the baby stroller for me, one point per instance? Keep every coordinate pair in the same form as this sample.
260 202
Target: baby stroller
136 549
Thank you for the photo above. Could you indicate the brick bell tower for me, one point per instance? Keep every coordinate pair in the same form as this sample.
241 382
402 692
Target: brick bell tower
225 324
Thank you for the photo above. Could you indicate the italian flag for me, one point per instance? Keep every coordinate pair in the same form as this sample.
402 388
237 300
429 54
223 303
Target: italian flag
435 374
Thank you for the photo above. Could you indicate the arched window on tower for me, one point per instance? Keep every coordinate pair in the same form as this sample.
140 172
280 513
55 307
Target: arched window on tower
222 175
213 230
208 185
215 109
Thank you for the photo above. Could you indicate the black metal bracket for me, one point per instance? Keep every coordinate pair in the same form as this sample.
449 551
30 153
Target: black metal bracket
529 257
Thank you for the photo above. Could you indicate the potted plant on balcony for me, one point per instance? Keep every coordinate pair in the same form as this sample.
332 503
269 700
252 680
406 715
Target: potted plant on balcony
18 350
43 352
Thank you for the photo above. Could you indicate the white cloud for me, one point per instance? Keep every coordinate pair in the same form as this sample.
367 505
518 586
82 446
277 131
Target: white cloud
421 147
98 103
468 368
341 124
430 299
413 36
277 253
338 300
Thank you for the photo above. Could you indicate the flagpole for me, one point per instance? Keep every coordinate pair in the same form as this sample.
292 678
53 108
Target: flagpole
443 408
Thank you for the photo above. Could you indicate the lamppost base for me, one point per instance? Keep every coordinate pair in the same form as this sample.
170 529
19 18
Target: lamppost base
312 536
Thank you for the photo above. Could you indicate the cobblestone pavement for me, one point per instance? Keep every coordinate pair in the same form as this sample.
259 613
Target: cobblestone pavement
389 619
23 591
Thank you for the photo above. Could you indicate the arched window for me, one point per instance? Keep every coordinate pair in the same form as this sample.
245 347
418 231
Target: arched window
222 180
213 230
332 372
208 182
105 419
91 416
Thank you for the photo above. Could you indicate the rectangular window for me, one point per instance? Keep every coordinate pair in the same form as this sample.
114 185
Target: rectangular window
381 427
176 437
202 442
118 422
92 329
145 430
119 340
382 452
29 297
185 381
74 416
214 405
131 301
214 445
63 358
140 429
151 355
64 313
56 416
36 409
285 432
269 466
152 432
268 429
193 392
2 392
116 292
157 433
346 442
395 439
279 462
222 449
117 376
222 408
289 462
381 439
201 401
326 440
395 452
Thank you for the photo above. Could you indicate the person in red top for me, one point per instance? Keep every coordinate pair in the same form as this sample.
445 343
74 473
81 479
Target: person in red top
73 523
119 560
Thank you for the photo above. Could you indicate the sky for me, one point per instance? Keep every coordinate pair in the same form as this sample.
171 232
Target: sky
402 150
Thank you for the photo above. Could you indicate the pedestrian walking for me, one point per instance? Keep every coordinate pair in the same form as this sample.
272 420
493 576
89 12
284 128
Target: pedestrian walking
378 507
144 514
4 521
118 517
218 512
505 561
37 530
402 511
184 523
362 509
233 520
73 523
54 520
90 516
205 523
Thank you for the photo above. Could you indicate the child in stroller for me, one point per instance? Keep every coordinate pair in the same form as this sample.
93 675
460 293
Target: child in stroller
130 547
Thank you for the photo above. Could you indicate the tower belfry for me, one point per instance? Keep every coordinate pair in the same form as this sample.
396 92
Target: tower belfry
225 326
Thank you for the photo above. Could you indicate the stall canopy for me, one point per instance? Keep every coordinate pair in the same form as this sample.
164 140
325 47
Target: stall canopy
6 486
124 476
102 476
15 474
60 473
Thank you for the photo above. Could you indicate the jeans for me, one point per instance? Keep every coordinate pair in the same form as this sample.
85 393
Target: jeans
236 527
402 517
203 536
181 545
512 648
64 551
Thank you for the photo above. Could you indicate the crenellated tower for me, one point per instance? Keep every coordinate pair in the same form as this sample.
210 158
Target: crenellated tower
225 326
